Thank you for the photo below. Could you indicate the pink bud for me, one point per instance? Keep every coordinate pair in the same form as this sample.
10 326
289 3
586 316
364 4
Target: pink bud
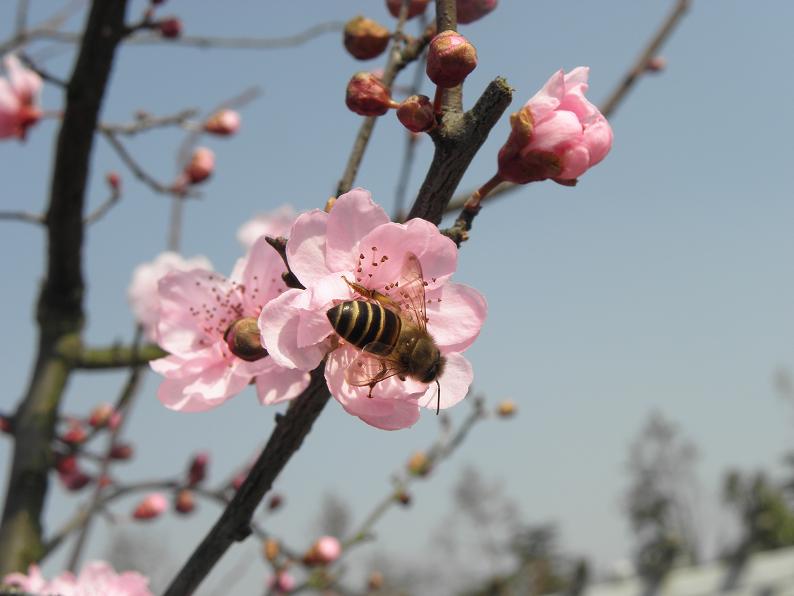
201 166
223 123
415 7
416 113
282 583
75 480
367 96
275 502
115 420
245 340
100 415
473 10
75 434
151 507
365 38
121 451
114 180
170 28
239 478
184 502
656 64
450 59
198 468
325 550
65 463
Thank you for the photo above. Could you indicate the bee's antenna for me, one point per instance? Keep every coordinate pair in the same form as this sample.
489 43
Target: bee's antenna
438 397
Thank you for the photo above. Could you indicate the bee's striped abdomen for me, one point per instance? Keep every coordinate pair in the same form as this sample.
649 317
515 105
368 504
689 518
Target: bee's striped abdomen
361 323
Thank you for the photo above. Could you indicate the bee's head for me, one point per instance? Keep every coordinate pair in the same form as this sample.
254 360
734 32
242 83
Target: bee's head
429 363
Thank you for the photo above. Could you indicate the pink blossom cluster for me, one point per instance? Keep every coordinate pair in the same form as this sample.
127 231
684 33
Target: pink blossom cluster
19 99
96 577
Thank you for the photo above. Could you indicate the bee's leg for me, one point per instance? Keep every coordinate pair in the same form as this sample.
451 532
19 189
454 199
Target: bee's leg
358 288
372 294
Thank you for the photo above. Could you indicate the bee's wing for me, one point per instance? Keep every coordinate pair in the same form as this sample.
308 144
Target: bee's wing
369 369
409 291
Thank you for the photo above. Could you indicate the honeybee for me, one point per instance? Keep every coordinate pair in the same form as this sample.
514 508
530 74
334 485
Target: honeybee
391 332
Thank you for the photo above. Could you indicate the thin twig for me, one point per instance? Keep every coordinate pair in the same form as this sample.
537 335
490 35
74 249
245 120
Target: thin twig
104 207
21 21
111 357
398 59
621 90
32 218
242 43
147 122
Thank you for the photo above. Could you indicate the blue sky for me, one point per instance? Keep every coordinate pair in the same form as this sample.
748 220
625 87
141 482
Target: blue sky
663 281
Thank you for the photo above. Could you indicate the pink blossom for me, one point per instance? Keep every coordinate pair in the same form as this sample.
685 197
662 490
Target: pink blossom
325 550
558 134
197 308
142 291
473 10
357 242
282 583
19 99
96 577
200 167
223 123
273 223
150 507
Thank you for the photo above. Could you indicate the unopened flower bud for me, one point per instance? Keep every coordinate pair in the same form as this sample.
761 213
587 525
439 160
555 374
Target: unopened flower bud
239 478
450 59
201 165
416 113
100 415
325 550
375 581
365 38
245 340
506 408
419 464
121 451
415 7
151 507
198 469
282 583
184 502
367 96
170 28
114 180
223 123
75 480
6 424
104 481
403 497
271 549
275 502
473 10
66 463
656 64
115 420
75 434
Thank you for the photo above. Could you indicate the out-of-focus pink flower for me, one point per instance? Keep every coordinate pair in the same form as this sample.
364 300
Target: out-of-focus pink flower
274 224
19 99
558 134
356 241
223 123
151 506
75 434
282 583
200 167
325 550
473 10
96 577
197 308
415 7
100 415
142 291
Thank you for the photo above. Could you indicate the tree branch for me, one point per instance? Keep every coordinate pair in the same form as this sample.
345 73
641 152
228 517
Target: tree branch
234 523
32 218
112 357
60 305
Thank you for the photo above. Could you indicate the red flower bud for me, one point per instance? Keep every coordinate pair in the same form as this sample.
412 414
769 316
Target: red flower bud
415 7
223 123
198 469
114 180
66 463
367 96
450 59
365 38
151 507
121 451
201 165
325 549
403 497
472 10
170 28
275 502
75 480
100 415
115 420
416 113
6 424
656 64
75 435
244 340
184 502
